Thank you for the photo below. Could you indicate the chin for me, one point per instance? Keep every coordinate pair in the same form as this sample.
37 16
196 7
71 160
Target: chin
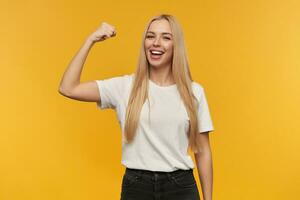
154 63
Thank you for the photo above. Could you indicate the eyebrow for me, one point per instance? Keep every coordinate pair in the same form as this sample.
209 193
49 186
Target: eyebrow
164 33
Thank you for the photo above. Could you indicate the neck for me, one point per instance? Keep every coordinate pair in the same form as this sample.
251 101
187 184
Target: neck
162 76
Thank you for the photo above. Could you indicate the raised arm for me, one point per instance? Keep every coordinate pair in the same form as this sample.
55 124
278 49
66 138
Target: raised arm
70 85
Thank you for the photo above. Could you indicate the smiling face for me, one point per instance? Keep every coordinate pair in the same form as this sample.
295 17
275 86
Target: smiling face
159 44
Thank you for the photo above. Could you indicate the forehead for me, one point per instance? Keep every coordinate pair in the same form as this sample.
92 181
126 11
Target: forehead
160 26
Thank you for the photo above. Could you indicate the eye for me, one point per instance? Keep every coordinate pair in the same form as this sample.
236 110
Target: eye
149 36
167 38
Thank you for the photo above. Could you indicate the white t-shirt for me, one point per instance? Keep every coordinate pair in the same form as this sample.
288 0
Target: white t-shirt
160 144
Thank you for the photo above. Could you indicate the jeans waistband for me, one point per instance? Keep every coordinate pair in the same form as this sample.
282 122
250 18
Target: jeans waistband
158 173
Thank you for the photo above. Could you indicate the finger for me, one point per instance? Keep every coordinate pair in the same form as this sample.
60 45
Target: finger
107 33
104 37
110 32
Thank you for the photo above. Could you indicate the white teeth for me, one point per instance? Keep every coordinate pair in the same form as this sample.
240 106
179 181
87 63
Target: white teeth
157 52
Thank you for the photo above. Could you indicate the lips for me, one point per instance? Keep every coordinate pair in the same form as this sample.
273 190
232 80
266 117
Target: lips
156 54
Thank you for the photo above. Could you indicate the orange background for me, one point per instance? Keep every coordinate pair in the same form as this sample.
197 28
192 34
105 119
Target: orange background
244 53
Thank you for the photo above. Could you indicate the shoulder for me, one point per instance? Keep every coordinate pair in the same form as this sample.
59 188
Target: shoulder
197 88
117 83
122 79
127 78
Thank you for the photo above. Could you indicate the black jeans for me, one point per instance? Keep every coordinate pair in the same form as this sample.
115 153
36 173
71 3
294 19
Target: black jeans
153 185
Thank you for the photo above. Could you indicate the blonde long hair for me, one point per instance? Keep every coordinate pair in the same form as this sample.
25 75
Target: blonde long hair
182 77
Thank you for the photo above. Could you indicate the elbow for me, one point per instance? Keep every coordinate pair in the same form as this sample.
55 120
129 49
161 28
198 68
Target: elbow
63 92
203 152
60 90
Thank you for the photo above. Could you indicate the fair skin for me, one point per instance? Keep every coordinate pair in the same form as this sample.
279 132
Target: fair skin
204 165
70 85
159 37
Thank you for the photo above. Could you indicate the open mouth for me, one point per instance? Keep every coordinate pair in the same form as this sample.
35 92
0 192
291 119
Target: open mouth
155 54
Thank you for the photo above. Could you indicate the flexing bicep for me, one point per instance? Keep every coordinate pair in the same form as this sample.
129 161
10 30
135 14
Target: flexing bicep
85 91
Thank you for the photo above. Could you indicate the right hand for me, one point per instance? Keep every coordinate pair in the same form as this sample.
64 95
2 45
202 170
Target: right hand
104 32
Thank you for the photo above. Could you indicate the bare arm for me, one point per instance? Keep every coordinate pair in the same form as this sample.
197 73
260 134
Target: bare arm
70 85
204 165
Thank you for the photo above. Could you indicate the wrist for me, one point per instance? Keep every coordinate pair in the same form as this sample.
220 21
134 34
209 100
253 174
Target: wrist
89 41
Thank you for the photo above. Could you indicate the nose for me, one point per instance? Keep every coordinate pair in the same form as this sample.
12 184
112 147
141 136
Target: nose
156 41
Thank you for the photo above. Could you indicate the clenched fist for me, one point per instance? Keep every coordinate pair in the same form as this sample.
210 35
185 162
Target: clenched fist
103 32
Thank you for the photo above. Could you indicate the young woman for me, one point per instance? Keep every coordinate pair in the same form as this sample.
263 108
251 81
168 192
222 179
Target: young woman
161 111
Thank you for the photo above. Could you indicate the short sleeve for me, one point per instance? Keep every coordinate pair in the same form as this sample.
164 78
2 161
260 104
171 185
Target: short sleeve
111 91
204 118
